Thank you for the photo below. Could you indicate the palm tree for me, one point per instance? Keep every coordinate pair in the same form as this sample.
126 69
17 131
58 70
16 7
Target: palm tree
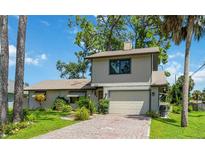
19 77
184 28
4 63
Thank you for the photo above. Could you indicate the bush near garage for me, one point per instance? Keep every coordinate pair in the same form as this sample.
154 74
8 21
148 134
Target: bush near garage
103 106
82 113
87 103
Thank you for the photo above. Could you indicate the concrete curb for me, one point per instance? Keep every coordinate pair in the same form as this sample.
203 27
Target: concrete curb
148 131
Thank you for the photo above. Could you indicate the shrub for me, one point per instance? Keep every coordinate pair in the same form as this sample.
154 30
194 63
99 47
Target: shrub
25 112
190 108
11 129
41 109
176 109
48 110
88 103
31 117
103 106
67 108
40 98
60 105
153 114
82 114
83 102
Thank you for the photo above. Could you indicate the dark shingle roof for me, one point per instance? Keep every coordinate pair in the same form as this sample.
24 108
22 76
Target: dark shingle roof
140 51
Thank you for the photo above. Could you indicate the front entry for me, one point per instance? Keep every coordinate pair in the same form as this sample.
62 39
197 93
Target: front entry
100 95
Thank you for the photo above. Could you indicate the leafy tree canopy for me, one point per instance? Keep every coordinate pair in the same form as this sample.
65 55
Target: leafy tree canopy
110 32
175 91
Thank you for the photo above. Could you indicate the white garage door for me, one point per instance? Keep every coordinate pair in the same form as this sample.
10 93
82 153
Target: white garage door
129 102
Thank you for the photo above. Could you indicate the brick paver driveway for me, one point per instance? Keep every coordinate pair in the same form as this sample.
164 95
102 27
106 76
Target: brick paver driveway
104 127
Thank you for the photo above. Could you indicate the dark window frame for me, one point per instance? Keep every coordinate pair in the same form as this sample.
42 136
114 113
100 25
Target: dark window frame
120 73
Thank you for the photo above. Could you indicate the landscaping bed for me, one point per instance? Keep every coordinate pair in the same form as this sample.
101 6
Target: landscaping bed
44 122
170 128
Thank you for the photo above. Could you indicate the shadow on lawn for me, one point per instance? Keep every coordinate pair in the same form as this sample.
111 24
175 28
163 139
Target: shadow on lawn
168 121
201 115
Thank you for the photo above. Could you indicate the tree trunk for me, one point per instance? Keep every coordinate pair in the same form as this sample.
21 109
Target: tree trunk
184 115
0 66
4 63
19 76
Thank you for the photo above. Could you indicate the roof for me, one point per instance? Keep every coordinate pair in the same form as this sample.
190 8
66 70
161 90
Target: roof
60 85
139 51
158 78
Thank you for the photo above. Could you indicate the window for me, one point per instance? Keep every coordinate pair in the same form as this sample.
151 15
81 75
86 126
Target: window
120 66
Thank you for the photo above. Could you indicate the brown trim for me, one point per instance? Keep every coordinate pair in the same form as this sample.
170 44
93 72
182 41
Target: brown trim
106 56
58 89
162 85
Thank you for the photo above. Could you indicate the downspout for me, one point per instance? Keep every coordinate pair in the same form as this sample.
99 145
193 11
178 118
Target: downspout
150 95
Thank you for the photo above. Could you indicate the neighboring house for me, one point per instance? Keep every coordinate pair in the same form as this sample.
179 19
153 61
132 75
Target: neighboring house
129 78
10 91
11 84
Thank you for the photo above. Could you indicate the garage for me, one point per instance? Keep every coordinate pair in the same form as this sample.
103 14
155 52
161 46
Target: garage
129 101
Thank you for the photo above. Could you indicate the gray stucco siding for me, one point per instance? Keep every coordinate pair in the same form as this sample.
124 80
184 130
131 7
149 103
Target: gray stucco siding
140 70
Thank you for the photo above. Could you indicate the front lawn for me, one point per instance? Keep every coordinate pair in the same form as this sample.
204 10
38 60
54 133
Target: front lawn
46 121
170 128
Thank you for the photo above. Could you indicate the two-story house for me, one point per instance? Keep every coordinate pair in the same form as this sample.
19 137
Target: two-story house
129 78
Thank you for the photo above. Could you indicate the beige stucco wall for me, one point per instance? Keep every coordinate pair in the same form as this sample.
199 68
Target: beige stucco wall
50 98
155 99
140 70
52 95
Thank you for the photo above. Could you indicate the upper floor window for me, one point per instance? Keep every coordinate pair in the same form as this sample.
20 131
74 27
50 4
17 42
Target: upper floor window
120 66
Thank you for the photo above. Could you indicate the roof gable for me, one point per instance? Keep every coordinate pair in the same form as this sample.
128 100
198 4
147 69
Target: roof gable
141 51
61 85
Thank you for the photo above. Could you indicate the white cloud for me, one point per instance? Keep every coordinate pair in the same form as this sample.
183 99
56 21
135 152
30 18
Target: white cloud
176 55
45 23
43 56
28 60
199 76
12 51
33 61
174 68
12 55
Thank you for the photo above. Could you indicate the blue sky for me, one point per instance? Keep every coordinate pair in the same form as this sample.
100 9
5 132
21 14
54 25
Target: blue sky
49 39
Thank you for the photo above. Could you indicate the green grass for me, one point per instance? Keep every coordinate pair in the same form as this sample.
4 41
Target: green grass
46 121
170 128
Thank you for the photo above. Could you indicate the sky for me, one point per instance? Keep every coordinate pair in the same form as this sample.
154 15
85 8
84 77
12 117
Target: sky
49 39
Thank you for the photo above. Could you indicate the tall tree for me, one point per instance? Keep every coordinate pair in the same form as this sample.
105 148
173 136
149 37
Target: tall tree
0 66
68 71
111 32
4 61
19 77
184 28
145 31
